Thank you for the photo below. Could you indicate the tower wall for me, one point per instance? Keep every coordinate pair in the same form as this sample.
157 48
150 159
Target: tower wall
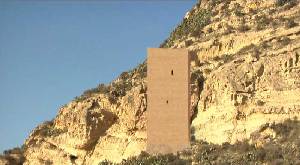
168 99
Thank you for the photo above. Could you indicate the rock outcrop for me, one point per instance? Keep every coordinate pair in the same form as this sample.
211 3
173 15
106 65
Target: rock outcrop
90 129
252 74
245 74
13 156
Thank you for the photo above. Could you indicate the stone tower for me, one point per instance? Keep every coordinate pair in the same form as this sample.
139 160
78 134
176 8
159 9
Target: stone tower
168 99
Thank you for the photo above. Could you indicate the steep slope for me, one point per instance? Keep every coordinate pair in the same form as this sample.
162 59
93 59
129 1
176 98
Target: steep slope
251 72
107 122
245 74
282 147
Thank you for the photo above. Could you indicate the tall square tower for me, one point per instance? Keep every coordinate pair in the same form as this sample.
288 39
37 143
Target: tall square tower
168 100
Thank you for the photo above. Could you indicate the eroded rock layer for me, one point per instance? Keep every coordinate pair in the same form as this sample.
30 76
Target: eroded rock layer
245 74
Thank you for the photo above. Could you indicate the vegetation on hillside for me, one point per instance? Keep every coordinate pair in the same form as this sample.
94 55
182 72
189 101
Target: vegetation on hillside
283 149
285 2
119 87
191 25
14 156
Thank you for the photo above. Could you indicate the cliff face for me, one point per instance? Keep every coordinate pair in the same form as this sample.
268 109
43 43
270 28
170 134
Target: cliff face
252 72
107 122
245 74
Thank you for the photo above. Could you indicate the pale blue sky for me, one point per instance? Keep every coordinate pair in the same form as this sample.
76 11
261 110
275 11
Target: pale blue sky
52 51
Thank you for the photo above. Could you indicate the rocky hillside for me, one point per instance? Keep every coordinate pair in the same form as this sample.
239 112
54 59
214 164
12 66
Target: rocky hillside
245 81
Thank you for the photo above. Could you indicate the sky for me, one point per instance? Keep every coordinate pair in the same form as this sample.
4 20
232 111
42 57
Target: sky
51 51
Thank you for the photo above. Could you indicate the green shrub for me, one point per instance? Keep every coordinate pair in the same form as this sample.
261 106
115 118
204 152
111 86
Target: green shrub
112 99
48 129
124 75
262 22
142 70
224 57
193 25
101 88
290 23
238 10
284 41
284 151
146 159
105 162
243 28
118 88
15 150
214 3
260 103
284 2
